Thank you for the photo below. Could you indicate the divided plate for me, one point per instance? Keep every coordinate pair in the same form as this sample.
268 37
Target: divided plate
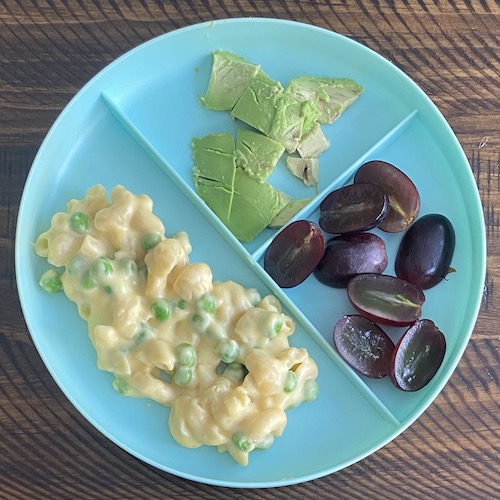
133 124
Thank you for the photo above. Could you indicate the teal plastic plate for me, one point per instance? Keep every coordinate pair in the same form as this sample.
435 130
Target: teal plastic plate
133 124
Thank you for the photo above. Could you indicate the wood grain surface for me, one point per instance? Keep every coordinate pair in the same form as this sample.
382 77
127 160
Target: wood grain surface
49 50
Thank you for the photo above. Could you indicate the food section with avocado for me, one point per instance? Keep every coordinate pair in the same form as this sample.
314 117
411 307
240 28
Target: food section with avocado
230 174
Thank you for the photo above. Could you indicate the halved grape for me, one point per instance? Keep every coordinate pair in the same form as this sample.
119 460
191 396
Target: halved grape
363 345
351 254
404 200
386 299
417 356
425 252
356 207
294 253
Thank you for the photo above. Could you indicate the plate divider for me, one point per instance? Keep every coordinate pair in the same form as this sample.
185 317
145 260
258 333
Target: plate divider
341 179
252 259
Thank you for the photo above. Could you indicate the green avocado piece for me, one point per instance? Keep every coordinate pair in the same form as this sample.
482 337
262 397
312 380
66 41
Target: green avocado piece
257 154
292 120
290 210
306 169
214 170
245 205
257 105
255 204
229 77
331 95
313 143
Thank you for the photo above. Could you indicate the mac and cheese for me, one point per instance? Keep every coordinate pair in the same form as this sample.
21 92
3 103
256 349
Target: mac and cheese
215 352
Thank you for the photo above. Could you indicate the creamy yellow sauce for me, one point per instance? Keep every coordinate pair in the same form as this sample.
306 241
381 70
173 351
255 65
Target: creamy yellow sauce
215 352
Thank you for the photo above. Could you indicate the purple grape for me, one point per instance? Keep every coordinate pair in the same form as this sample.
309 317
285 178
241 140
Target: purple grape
351 254
425 252
386 299
357 207
417 356
294 253
404 200
363 345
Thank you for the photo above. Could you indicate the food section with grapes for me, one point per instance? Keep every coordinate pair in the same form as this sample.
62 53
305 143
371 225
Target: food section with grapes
383 197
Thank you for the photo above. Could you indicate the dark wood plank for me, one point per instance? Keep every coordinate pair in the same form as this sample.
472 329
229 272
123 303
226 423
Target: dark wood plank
48 52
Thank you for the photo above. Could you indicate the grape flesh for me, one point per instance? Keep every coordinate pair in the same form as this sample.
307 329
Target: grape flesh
404 199
294 253
417 356
385 299
356 207
363 345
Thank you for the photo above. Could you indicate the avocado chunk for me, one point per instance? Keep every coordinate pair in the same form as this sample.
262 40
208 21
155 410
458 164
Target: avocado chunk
213 172
243 204
314 143
331 95
257 154
255 205
292 120
290 210
229 77
306 169
257 105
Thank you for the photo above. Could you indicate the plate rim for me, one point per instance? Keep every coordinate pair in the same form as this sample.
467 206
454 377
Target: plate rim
444 126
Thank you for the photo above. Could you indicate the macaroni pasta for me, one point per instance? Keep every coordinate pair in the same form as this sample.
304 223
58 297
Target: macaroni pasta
215 352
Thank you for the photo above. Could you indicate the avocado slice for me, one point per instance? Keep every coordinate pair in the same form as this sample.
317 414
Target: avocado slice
313 143
254 206
245 205
292 120
257 105
306 169
257 154
229 77
332 96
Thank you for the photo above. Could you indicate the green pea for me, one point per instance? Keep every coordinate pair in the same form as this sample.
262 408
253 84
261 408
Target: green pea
241 442
181 304
207 304
200 322
278 326
120 385
50 281
142 333
275 329
254 297
108 290
183 375
128 265
101 268
150 240
140 336
310 390
161 310
87 282
265 443
235 372
290 381
185 354
79 222
77 265
228 350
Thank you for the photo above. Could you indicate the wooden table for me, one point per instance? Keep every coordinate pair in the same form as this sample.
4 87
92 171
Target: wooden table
49 51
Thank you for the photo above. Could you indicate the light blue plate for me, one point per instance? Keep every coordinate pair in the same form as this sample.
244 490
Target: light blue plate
133 124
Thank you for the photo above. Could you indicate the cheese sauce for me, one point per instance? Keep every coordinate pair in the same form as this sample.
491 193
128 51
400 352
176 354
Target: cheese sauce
217 353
